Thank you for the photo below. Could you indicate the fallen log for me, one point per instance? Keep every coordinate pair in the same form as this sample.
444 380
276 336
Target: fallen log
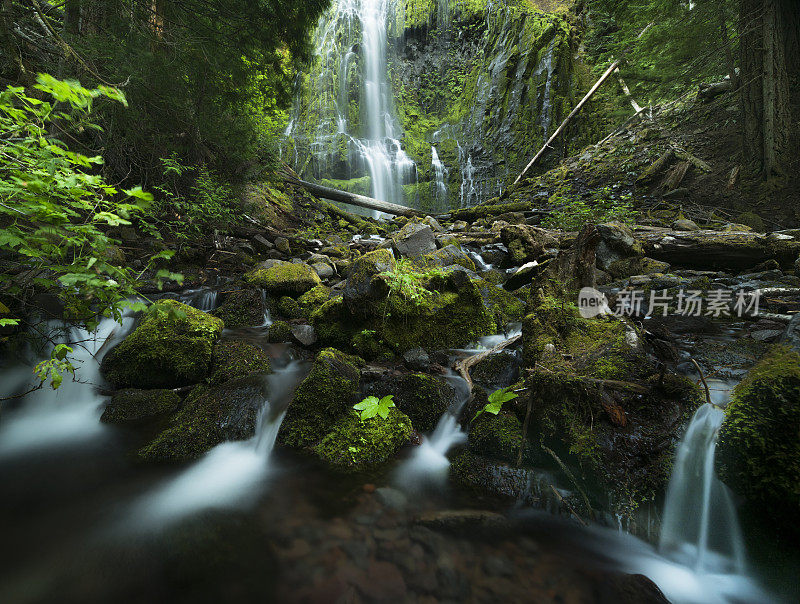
463 366
356 200
716 250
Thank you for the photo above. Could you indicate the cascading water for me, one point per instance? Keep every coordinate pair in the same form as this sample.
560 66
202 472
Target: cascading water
231 474
352 43
700 527
440 174
70 414
428 467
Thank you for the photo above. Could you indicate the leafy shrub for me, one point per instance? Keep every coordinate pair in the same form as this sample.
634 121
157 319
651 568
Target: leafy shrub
576 213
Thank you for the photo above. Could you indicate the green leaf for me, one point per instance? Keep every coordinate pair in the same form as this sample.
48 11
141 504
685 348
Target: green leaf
9 322
496 400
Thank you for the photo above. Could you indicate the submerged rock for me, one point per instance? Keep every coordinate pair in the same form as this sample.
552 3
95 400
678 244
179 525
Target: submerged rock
136 405
285 278
758 454
172 347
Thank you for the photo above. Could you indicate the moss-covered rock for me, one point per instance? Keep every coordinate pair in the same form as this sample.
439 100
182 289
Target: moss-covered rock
289 308
497 370
232 360
369 345
498 436
448 255
279 331
636 266
241 308
210 416
526 243
313 299
759 445
171 347
422 397
364 282
284 278
356 445
131 405
504 306
328 392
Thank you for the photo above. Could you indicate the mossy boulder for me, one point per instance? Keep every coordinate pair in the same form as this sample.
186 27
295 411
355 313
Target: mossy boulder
759 444
171 347
422 397
131 405
448 255
284 278
232 360
328 392
241 308
289 308
526 243
313 299
636 266
504 306
364 282
210 416
279 331
498 436
497 370
356 445
369 345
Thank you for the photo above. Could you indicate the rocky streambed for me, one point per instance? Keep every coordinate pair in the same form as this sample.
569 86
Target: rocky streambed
280 352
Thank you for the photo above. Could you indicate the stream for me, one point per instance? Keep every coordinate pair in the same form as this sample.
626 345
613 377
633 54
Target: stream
83 522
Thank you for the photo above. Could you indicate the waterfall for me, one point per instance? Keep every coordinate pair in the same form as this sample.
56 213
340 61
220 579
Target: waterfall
70 414
352 45
700 527
231 474
440 173
428 466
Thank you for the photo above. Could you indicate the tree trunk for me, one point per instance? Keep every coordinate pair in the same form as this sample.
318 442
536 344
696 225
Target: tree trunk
72 17
766 111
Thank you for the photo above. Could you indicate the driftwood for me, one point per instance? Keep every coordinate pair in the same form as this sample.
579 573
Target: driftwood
706 91
714 250
576 110
636 107
463 366
356 200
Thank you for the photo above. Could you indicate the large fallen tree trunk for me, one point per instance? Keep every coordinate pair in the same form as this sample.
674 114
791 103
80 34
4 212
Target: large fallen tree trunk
356 200
717 250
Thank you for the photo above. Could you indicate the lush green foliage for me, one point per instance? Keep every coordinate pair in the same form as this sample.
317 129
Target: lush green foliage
372 406
408 281
496 400
55 212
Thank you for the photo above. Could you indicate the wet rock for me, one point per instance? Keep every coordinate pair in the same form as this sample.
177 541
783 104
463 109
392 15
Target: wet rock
526 243
417 359
636 266
262 244
498 436
279 331
282 245
497 370
209 416
313 299
462 521
447 256
422 397
414 240
322 269
284 278
758 454
327 394
791 336
232 360
241 308
684 224
136 405
305 335
616 243
498 566
364 283
459 226
172 347
383 582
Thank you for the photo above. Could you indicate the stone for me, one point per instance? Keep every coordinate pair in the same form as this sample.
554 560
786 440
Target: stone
323 270
241 308
526 243
413 240
433 223
127 406
684 224
282 245
279 331
305 335
497 370
284 278
262 244
364 283
171 348
391 498
417 359
449 255
459 226
232 360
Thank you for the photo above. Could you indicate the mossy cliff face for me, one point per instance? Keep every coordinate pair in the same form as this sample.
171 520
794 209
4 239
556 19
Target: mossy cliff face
172 347
478 85
758 454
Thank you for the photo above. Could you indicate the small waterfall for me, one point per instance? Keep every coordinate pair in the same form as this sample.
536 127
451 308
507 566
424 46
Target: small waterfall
440 174
700 527
428 466
70 414
468 193
204 299
231 474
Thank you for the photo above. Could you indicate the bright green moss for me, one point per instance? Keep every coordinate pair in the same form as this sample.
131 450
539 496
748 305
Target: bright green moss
279 331
285 278
313 299
759 445
355 445
241 308
289 308
165 351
